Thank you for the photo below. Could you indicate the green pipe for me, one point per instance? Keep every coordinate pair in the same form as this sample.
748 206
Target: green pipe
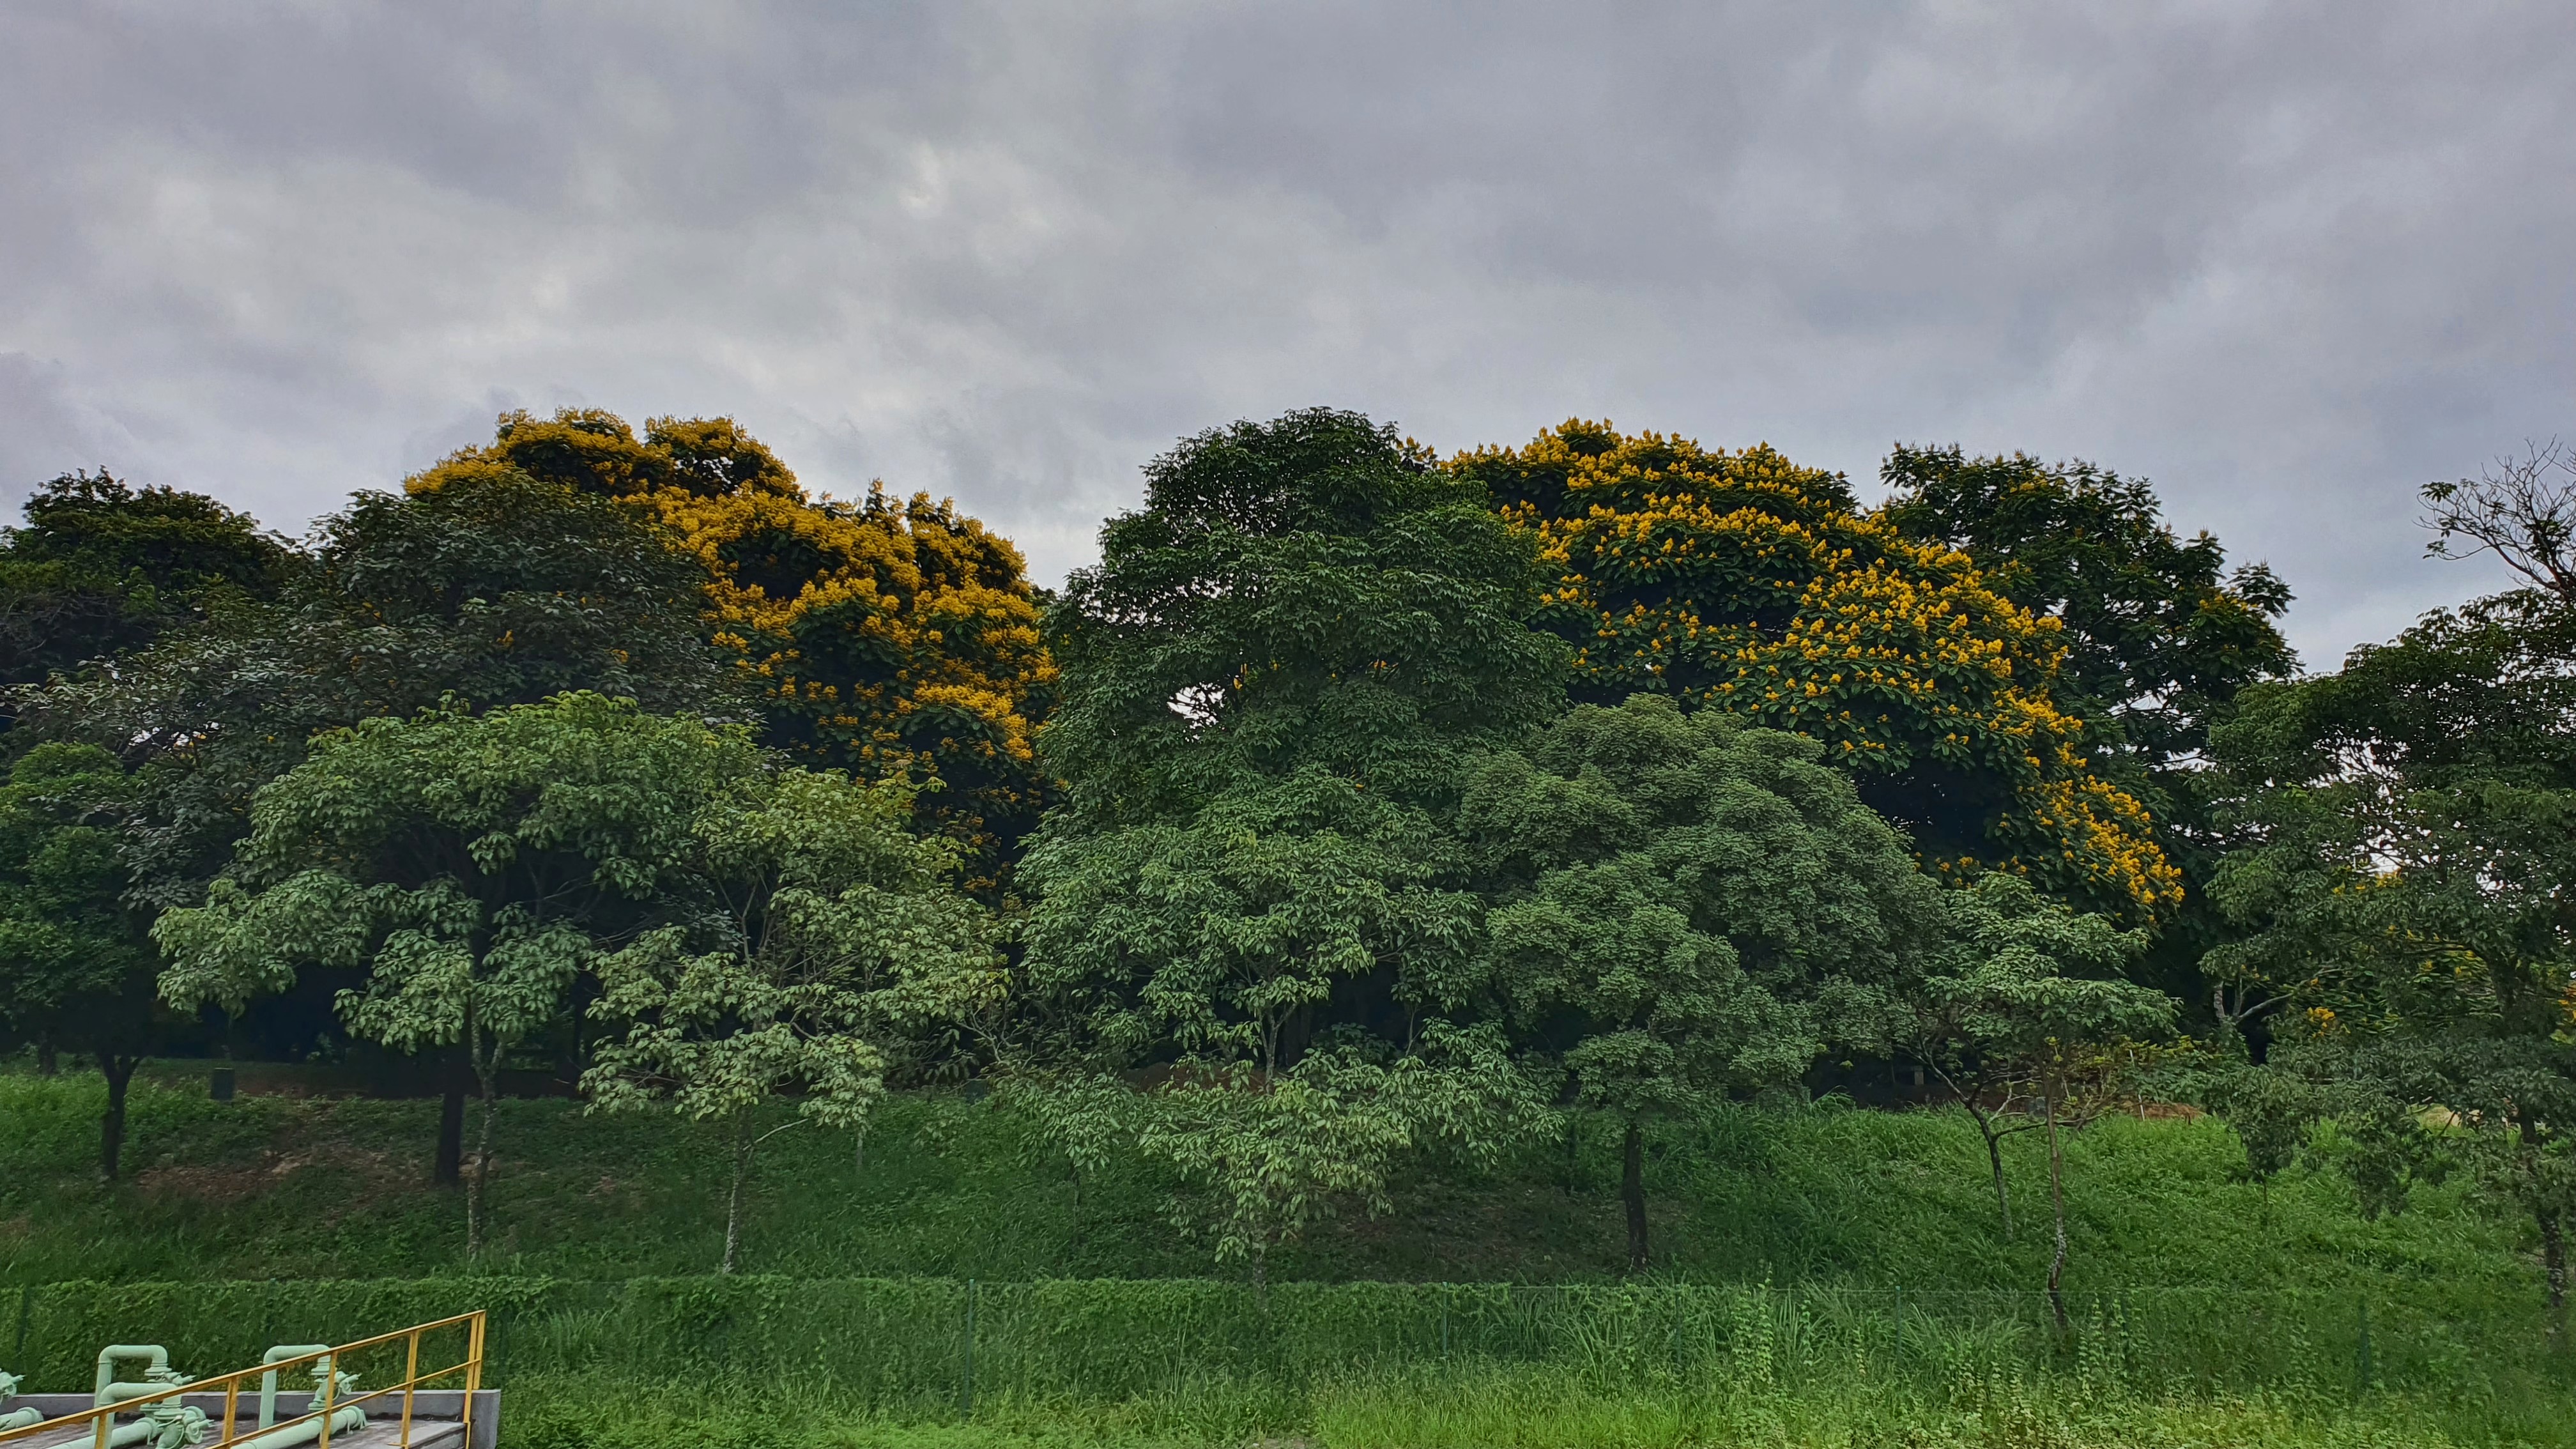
268 1380
346 1420
343 1421
167 1424
156 1361
16 1418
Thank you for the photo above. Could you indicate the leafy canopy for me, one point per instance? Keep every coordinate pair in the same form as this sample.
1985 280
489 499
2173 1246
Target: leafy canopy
825 944
468 864
2410 853
1306 592
2024 985
1684 905
76 960
1744 583
101 568
2160 635
1273 682
894 639
465 868
826 938
504 592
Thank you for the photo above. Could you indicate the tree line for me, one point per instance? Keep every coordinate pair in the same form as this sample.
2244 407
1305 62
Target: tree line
1360 807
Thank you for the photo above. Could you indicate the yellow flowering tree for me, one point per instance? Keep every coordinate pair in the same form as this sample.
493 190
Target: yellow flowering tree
1740 581
894 638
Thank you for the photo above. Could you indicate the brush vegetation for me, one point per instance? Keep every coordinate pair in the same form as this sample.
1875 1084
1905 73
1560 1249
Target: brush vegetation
1825 1276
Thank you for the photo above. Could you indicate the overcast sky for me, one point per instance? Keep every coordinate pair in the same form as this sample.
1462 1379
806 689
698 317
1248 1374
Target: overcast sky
2289 261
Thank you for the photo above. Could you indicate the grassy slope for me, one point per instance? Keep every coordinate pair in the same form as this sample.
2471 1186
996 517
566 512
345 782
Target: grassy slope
281 1187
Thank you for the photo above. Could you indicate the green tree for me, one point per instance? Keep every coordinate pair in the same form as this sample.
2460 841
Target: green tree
101 568
1084 1119
504 592
1307 592
2160 637
2160 634
2024 1009
467 867
892 638
76 958
2410 857
827 940
1273 682
1684 907
2271 1110
1266 1155
1741 582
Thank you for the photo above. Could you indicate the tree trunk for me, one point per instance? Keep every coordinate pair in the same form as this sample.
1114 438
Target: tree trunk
1573 1151
1632 1192
478 1187
742 1146
1077 1209
49 1060
2057 1200
111 1123
1995 1159
2553 1259
448 1168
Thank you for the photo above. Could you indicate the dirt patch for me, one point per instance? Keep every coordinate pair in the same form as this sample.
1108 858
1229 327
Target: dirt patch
359 1177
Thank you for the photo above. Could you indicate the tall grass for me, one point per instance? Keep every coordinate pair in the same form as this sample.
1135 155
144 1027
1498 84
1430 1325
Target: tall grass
1215 1358
1822 1278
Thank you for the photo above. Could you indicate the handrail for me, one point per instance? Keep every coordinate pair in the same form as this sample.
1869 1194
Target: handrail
325 1401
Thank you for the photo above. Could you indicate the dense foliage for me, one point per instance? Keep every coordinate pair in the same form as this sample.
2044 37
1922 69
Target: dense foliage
2406 883
2160 638
1359 823
1685 908
1272 684
1743 582
896 639
500 593
101 568
468 869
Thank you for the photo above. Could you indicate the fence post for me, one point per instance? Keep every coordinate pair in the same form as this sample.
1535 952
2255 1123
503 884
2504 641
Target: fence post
966 1386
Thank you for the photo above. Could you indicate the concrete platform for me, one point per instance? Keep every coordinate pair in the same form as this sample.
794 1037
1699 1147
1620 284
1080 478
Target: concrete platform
435 1415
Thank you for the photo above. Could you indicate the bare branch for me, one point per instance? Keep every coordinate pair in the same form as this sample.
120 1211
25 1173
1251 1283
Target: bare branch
2522 510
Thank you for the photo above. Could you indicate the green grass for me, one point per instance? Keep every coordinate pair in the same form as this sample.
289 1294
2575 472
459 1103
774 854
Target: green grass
2207 1314
283 1187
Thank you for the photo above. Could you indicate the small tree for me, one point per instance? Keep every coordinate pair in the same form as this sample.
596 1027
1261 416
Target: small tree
1269 1156
830 938
1684 906
2008 1023
470 866
1086 1119
76 959
2271 1112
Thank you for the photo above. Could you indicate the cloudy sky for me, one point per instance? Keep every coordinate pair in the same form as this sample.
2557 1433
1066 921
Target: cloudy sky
2287 260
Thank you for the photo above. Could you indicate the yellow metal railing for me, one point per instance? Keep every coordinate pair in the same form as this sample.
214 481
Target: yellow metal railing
326 1401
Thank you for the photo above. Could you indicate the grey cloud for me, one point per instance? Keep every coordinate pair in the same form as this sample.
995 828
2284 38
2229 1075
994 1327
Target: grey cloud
2289 260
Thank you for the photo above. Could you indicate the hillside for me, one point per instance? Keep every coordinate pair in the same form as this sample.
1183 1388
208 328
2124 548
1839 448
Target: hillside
285 1187
2205 1315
